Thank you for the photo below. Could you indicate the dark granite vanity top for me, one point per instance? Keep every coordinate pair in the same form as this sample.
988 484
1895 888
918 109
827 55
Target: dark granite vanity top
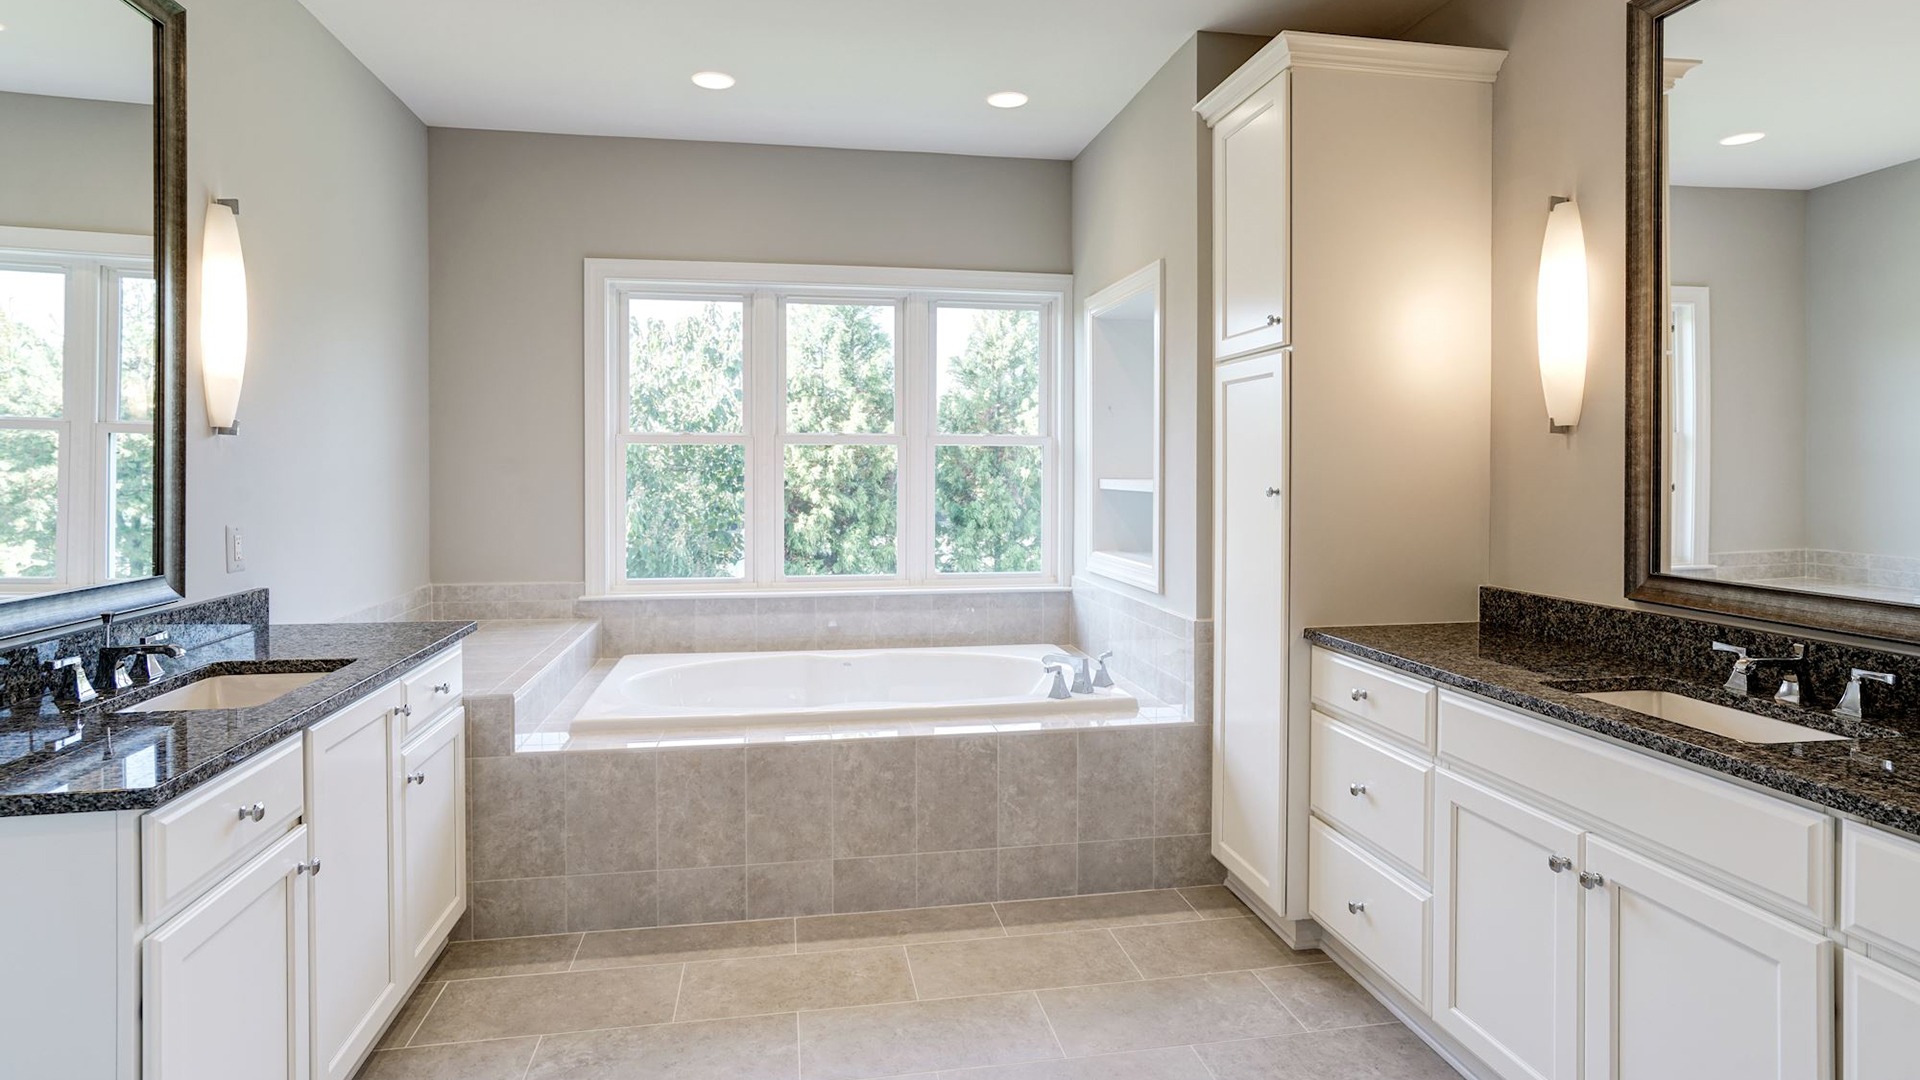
74 759
1882 785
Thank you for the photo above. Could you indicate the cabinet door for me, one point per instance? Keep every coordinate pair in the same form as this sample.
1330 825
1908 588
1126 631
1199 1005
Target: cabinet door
433 845
1881 1025
1249 711
1250 224
351 775
225 982
1506 931
1683 981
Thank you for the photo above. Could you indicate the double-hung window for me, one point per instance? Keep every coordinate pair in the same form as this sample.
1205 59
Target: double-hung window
78 342
790 427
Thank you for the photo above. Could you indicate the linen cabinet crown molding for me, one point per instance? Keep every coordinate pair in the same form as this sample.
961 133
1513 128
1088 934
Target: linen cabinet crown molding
1293 50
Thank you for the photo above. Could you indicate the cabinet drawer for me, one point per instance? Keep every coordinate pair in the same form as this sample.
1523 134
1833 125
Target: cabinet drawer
1879 879
187 844
1398 703
431 689
1371 790
1780 852
1379 914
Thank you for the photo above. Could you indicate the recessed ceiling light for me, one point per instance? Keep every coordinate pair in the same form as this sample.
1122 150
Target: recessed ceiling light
1007 99
713 80
1743 138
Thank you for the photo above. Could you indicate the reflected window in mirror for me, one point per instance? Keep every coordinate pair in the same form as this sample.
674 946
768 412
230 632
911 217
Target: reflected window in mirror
78 350
1791 378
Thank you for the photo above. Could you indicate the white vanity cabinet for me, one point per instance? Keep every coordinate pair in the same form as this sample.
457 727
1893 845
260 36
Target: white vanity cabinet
431 842
1351 191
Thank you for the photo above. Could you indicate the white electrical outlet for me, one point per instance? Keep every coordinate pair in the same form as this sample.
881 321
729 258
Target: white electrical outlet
236 555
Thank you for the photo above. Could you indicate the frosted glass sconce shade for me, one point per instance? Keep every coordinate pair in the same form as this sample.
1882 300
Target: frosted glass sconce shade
223 314
1562 316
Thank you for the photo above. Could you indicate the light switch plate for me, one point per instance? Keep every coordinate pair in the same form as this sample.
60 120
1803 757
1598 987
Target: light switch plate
236 554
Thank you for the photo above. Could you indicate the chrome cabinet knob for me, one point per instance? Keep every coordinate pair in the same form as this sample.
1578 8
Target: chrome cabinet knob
417 778
1273 320
1591 880
256 812
1273 493
1355 907
308 868
403 710
1559 864
443 688
1356 790
1359 695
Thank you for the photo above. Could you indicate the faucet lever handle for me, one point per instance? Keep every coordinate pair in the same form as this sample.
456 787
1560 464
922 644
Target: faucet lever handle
1853 703
1059 691
1102 679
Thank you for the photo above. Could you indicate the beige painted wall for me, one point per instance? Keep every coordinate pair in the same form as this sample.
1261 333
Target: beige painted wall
1559 129
73 164
1864 272
1749 248
1141 192
328 475
515 215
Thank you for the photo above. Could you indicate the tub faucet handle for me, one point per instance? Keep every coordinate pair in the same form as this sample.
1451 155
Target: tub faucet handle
1101 678
1059 691
1082 680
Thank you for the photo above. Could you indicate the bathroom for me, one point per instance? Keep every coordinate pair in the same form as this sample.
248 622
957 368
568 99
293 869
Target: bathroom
1176 540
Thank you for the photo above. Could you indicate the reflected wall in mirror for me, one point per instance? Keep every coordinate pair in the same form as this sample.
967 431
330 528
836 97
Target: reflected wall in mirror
1784 381
89 342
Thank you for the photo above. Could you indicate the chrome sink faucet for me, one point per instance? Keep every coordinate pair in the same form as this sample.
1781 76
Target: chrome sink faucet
1795 663
1852 703
1080 665
121 666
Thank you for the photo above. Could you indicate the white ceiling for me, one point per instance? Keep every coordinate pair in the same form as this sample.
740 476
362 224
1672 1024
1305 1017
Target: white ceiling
1835 85
99 49
865 74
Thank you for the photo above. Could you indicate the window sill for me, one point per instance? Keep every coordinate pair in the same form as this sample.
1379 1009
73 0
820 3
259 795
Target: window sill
969 589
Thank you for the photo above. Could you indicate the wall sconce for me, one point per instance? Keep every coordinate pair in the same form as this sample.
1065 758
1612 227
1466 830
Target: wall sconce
1562 316
223 315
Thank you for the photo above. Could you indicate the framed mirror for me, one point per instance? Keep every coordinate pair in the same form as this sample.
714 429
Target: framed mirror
92 310
1773 268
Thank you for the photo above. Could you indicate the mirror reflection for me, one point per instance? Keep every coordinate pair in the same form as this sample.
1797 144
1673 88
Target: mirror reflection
78 322
1792 382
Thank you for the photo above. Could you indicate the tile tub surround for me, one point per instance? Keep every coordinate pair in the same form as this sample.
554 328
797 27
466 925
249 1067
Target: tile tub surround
56 760
1136 986
668 624
1524 672
415 605
1168 655
588 840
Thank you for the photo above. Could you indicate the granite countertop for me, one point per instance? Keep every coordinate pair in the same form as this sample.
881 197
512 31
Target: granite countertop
76 759
1881 785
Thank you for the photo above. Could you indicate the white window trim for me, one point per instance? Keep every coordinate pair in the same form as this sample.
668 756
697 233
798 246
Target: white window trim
764 411
82 549
1690 487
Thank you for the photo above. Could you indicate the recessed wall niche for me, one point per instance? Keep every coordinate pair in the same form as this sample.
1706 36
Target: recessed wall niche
1124 342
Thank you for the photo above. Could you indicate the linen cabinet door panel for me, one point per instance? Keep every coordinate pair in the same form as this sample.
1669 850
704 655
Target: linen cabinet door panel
1250 162
1881 1028
350 796
1683 981
432 840
225 982
1249 744
1506 895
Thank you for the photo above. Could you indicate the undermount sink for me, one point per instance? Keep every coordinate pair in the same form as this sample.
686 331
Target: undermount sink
1706 716
227 692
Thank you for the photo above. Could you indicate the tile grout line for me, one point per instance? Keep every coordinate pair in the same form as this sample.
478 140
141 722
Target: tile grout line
1051 1030
423 1018
679 991
1203 1061
912 983
1123 952
533 1057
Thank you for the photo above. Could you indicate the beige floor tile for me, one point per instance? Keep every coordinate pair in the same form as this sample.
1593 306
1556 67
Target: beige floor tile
1390 1052
681 944
504 956
550 1004
1321 996
776 984
1199 948
1029 962
502 1060
1215 902
407 1020
1164 1012
1094 912
910 927
752 1048
1168 1063
888 1040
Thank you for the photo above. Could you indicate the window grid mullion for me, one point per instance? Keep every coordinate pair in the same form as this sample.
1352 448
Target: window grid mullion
916 462
766 468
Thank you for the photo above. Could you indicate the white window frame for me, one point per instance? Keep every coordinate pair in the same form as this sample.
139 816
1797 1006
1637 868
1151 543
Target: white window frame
1689 394
94 263
767 287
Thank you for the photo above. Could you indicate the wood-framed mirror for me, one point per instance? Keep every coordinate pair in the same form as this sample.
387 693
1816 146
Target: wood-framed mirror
93 272
1773 397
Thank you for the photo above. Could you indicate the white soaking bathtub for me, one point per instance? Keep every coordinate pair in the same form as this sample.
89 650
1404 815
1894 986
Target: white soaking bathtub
829 687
